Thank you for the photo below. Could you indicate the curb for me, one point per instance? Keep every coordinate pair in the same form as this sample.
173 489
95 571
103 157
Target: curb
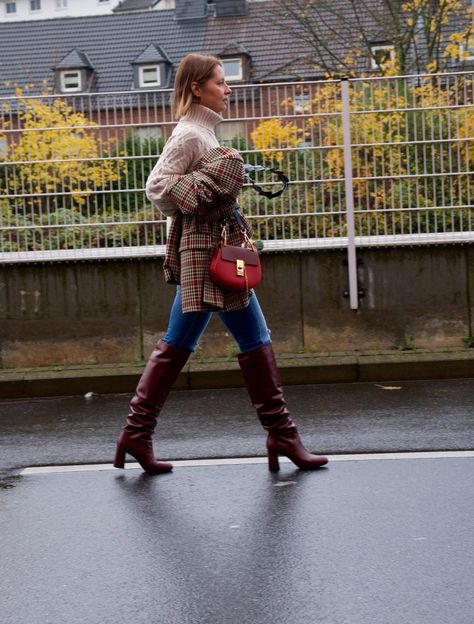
295 369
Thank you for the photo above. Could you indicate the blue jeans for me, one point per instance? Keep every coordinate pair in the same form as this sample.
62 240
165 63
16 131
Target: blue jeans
247 326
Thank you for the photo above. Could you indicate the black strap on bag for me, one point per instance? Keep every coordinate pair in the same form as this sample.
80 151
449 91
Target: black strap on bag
238 217
268 194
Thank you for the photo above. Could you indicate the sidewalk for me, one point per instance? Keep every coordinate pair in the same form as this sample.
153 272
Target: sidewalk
297 368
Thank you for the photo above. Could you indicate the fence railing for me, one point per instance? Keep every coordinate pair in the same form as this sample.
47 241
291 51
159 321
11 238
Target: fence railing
379 161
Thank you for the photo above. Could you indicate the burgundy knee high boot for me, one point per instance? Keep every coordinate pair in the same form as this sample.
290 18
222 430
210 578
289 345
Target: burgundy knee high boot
263 382
158 378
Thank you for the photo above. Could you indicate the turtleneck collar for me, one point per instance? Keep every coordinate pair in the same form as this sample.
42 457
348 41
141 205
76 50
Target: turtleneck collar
203 116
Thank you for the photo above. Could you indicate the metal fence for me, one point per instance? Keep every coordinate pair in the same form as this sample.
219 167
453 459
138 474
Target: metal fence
379 161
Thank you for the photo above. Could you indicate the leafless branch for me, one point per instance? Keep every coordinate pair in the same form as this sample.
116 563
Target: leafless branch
333 32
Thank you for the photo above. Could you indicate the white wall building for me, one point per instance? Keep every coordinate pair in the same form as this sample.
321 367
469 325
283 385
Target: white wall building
21 10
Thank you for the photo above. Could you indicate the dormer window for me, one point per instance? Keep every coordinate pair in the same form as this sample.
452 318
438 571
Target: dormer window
380 55
151 68
233 69
71 81
236 62
149 76
74 73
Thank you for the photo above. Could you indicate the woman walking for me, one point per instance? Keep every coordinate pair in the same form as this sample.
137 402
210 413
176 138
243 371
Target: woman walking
196 182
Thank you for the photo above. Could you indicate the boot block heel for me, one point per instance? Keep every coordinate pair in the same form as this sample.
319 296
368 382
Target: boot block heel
119 461
273 462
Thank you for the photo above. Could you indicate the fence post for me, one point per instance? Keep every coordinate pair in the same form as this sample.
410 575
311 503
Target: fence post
351 247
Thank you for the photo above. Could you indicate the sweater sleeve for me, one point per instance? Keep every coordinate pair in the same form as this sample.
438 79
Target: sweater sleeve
178 157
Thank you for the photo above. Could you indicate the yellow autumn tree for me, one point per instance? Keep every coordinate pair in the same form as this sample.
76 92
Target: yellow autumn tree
411 151
55 168
398 129
6 213
58 151
273 135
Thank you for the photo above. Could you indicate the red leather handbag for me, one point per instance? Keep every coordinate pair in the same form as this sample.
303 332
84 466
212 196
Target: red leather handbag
235 268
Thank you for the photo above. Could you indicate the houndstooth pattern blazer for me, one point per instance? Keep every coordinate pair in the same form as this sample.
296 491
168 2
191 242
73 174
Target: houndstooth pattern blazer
206 198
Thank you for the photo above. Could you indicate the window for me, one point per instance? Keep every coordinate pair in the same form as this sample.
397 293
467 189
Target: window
233 69
71 81
228 131
381 54
147 133
10 8
149 76
61 4
467 49
3 147
302 103
35 5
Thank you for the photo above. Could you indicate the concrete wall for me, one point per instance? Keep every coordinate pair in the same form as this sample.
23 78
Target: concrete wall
114 311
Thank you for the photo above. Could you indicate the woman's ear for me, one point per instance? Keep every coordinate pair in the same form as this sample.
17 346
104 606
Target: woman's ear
196 89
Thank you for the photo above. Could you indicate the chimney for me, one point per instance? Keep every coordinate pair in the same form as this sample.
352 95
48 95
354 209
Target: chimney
188 10
230 8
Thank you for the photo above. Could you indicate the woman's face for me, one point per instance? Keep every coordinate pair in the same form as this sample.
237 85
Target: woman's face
214 93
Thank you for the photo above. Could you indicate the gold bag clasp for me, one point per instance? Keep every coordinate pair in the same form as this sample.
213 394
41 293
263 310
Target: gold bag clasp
240 268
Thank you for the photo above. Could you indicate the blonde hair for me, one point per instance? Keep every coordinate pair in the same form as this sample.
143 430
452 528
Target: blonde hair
193 68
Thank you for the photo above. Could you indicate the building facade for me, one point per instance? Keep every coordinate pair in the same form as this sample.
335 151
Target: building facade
26 10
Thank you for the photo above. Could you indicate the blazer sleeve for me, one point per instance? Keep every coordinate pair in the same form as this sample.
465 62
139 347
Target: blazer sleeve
212 189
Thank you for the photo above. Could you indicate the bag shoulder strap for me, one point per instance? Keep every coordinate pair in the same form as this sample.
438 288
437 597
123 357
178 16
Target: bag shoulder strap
237 215
268 194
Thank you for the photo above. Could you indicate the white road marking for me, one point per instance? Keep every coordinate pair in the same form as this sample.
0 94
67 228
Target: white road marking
193 463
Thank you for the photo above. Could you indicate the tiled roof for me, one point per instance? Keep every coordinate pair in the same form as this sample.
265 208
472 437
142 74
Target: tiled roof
151 54
266 40
74 60
111 43
30 49
233 47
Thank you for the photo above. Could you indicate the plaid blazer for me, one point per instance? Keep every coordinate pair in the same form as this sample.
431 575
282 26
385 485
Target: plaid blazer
206 198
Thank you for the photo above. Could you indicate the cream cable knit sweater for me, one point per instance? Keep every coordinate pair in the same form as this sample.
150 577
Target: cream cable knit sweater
193 137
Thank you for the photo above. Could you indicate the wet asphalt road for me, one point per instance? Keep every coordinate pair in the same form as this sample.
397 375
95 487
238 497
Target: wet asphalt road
372 542
358 543
333 418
